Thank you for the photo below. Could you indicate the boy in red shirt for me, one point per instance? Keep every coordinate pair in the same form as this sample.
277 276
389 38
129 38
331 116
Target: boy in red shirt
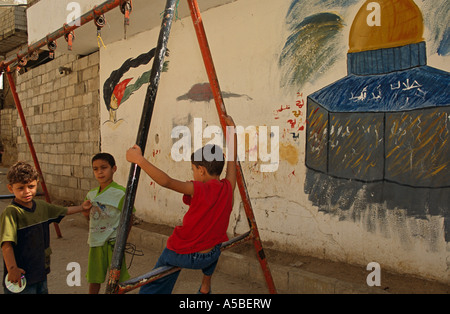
196 244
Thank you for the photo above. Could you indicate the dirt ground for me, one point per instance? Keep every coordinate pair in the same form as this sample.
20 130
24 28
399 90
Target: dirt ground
73 248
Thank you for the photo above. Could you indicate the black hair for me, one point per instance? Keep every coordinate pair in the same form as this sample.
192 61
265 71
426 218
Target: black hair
211 157
106 157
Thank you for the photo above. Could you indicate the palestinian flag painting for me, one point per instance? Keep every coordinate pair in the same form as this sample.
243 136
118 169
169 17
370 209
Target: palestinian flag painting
117 89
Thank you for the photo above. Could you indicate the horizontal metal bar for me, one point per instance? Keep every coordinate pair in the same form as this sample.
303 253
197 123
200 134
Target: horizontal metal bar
140 281
12 5
161 272
65 29
238 240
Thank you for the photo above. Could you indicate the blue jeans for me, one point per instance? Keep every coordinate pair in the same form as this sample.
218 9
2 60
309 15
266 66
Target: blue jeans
207 262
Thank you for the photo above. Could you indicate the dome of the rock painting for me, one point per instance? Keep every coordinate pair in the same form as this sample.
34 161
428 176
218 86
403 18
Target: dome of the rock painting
386 24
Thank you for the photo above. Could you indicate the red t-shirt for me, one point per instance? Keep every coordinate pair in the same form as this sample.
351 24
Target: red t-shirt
206 222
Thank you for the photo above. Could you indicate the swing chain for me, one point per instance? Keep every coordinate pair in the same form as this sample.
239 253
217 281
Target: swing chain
100 22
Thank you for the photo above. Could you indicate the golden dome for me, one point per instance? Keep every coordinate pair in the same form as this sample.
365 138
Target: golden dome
386 24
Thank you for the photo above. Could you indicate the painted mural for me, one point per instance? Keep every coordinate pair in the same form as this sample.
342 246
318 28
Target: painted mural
317 35
379 136
361 102
116 90
202 92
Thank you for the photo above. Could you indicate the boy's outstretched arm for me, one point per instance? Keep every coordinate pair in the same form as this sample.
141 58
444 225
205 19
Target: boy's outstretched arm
86 206
134 155
232 150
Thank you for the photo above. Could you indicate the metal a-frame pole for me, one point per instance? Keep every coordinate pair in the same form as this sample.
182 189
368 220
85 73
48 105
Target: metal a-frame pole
113 282
214 82
133 179
23 53
29 140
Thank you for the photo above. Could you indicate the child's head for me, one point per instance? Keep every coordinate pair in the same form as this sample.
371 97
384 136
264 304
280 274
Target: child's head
21 172
104 167
22 182
106 157
210 157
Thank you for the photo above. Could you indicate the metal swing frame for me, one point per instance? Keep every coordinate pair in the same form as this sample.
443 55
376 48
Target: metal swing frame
7 66
114 287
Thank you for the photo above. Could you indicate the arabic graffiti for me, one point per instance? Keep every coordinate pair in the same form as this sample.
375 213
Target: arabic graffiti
379 138
294 115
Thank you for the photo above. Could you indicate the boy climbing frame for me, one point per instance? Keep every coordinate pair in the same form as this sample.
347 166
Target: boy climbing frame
113 285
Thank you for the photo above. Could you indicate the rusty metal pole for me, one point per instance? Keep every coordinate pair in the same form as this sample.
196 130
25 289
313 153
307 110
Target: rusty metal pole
65 29
214 82
5 67
29 140
144 127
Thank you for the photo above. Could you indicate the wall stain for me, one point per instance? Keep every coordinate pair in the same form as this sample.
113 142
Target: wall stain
289 153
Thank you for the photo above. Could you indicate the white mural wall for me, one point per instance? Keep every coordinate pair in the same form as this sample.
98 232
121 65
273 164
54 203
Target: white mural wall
250 41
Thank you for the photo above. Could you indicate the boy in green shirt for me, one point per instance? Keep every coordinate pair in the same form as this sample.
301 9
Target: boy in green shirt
104 219
25 234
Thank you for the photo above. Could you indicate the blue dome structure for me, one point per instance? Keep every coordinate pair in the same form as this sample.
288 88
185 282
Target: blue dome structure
388 119
384 129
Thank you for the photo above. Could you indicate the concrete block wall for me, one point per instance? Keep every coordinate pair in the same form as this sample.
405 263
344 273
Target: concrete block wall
12 19
6 21
62 112
20 18
8 133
